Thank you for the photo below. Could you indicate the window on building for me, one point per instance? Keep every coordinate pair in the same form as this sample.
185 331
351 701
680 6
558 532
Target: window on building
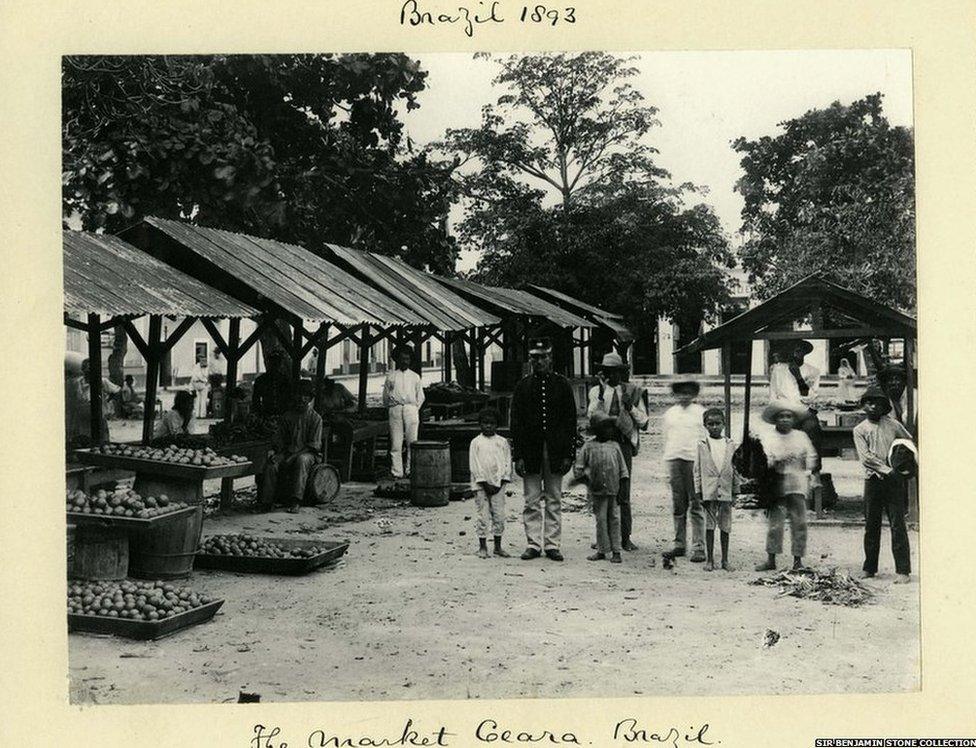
201 349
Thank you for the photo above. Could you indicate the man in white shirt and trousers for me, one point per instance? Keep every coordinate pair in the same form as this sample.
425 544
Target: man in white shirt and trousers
403 394
799 384
200 382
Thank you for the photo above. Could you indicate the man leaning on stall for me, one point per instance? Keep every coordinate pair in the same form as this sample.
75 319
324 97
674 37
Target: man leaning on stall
296 447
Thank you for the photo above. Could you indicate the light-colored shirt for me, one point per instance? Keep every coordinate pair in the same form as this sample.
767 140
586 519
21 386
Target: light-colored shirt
783 385
683 429
403 388
717 449
792 456
490 460
612 400
604 466
199 377
873 442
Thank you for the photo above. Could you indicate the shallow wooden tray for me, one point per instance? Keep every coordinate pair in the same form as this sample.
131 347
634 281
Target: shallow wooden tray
291 566
158 467
134 523
130 629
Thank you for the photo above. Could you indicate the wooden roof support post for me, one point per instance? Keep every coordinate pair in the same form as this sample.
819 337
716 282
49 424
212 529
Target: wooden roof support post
95 377
447 355
747 396
154 351
911 422
364 346
234 354
727 372
320 356
482 347
417 340
298 341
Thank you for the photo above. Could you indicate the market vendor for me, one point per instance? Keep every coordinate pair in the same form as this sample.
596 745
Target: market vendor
109 389
894 381
403 394
335 404
272 389
295 448
130 402
793 380
626 404
180 419
77 415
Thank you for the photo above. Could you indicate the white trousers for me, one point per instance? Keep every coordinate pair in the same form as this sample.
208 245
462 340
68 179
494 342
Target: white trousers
404 423
200 402
542 515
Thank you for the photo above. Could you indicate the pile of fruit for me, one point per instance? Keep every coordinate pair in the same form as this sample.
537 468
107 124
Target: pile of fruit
186 456
123 502
137 601
248 545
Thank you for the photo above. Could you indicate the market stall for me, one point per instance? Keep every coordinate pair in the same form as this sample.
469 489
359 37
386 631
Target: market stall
813 308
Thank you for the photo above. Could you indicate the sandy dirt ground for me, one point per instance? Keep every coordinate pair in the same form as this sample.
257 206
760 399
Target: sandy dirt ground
411 613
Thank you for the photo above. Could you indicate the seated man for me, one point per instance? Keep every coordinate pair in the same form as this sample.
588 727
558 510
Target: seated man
129 400
296 447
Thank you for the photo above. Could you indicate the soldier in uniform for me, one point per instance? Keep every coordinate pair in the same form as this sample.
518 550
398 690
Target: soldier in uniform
543 428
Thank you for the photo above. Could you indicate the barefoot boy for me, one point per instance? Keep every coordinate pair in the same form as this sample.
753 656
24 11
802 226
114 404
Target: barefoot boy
884 488
793 459
490 459
716 484
603 463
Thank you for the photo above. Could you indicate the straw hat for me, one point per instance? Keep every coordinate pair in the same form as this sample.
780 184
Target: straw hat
686 384
778 406
612 361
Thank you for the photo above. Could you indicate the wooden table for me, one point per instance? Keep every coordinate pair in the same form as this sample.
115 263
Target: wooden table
341 449
179 481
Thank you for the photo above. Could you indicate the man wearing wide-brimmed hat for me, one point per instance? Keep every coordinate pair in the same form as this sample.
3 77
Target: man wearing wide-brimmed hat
543 428
625 403
295 448
800 385
893 380
884 488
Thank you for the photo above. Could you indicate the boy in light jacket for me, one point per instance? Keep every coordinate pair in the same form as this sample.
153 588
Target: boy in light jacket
716 484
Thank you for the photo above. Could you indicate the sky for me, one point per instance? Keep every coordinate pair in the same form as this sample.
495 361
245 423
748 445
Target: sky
705 100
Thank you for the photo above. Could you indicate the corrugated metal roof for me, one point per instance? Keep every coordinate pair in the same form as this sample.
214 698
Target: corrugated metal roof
105 275
517 302
438 305
295 279
575 302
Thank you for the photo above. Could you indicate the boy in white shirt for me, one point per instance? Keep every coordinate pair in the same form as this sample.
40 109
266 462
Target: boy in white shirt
683 429
403 394
490 459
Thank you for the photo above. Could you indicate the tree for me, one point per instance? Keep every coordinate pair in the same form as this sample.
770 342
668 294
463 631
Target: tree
833 193
620 235
301 148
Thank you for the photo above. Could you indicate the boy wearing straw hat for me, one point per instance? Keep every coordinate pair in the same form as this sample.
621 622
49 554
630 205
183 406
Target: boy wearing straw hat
683 430
625 404
884 487
792 459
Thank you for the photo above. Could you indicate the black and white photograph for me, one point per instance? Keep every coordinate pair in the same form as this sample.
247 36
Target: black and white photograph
395 376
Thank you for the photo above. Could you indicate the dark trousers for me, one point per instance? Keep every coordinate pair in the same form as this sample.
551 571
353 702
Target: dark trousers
623 495
886 495
810 425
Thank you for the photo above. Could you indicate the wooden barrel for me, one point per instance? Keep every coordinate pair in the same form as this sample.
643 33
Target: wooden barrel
100 553
323 484
167 550
430 473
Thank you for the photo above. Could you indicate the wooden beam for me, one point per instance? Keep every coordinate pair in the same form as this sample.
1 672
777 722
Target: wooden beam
136 338
840 332
296 350
174 337
448 359
312 340
95 377
218 339
320 366
747 396
75 324
251 339
363 367
233 356
155 348
727 390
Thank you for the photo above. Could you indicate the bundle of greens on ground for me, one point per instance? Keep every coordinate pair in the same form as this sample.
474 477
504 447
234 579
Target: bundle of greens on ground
831 587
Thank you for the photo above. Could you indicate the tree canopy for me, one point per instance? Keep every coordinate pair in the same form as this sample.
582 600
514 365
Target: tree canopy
833 193
302 148
571 129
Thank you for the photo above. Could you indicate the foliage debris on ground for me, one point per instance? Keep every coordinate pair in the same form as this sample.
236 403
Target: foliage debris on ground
831 588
